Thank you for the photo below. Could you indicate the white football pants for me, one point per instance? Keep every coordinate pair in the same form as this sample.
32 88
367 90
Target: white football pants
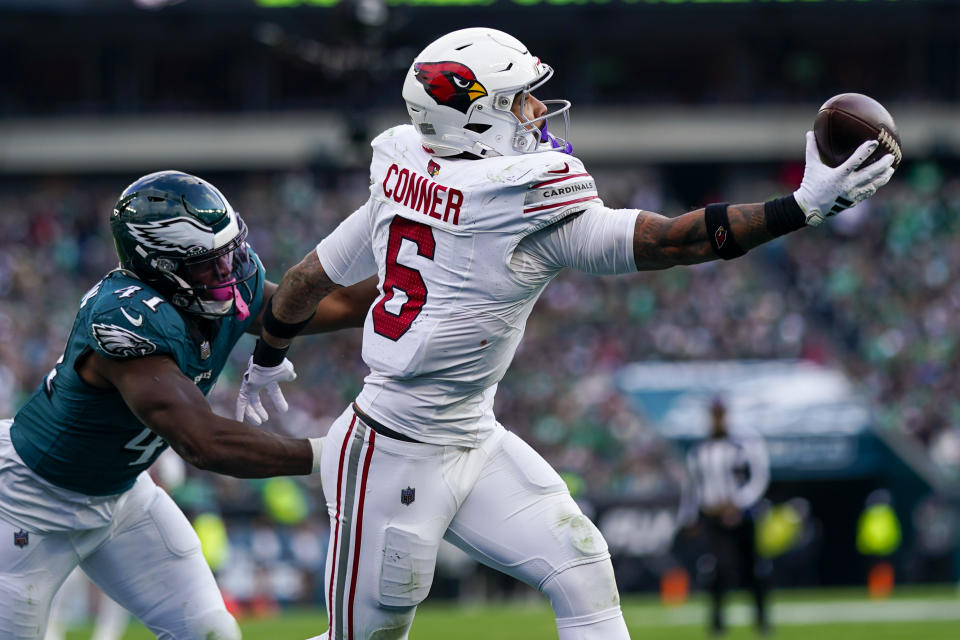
137 546
391 502
111 620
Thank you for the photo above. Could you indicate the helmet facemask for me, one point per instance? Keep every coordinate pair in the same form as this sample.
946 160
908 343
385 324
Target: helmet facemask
533 135
210 284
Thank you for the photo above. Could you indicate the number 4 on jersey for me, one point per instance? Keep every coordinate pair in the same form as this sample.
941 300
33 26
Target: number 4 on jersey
147 442
407 279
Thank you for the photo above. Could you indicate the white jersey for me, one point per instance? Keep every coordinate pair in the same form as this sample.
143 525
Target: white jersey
442 234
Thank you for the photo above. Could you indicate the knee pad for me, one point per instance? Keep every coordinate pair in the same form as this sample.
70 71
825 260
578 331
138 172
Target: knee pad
584 583
586 602
587 590
217 624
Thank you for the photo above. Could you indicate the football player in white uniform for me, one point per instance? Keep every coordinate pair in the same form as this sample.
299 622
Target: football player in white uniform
473 209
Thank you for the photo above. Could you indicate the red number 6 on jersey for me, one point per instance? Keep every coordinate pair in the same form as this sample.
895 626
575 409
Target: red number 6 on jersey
402 277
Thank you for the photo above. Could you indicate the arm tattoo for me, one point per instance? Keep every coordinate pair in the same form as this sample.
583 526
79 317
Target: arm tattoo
660 242
748 224
300 291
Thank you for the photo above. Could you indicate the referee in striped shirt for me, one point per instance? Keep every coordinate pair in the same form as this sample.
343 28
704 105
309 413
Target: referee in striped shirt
730 475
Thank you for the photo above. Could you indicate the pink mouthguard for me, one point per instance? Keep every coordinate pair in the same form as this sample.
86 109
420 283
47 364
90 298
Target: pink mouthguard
225 293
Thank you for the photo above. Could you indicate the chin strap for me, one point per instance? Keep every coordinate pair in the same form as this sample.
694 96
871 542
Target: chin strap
556 143
243 311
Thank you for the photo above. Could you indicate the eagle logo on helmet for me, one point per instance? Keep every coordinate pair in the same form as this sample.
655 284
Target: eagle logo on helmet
450 84
180 235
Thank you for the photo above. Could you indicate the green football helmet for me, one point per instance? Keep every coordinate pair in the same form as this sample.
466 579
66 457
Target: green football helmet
179 234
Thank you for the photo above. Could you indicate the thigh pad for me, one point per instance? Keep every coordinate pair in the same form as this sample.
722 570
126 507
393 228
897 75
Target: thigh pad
406 573
174 528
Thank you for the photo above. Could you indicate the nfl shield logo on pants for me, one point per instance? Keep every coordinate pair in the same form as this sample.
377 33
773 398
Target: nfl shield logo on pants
407 496
21 538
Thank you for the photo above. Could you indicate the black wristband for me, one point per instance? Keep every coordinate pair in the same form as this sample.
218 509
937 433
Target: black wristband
783 215
721 237
267 356
279 328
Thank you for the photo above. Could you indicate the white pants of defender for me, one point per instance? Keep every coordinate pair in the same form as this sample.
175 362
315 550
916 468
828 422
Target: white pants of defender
391 502
137 546
111 620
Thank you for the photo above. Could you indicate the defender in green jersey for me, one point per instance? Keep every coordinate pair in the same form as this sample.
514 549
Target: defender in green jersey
148 343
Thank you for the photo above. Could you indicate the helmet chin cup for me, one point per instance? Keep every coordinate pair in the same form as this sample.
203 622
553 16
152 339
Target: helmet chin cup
215 307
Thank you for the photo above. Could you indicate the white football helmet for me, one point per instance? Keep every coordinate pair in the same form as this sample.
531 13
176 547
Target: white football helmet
459 91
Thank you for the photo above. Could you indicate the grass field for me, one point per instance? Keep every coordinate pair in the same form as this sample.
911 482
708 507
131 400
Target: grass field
911 614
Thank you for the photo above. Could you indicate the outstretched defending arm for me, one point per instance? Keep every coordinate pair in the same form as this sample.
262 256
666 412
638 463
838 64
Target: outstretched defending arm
729 231
172 406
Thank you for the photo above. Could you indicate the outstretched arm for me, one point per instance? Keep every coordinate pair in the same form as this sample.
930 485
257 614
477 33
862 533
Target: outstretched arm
172 406
729 231
660 242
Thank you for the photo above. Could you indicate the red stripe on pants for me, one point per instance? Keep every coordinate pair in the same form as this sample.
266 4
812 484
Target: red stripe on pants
356 544
336 531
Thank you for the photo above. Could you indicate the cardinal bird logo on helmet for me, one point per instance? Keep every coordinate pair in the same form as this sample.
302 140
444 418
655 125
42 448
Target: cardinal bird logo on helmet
450 83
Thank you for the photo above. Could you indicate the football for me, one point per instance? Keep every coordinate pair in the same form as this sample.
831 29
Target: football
846 121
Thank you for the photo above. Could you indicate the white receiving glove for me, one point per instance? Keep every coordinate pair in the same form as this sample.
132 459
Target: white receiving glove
826 191
256 378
